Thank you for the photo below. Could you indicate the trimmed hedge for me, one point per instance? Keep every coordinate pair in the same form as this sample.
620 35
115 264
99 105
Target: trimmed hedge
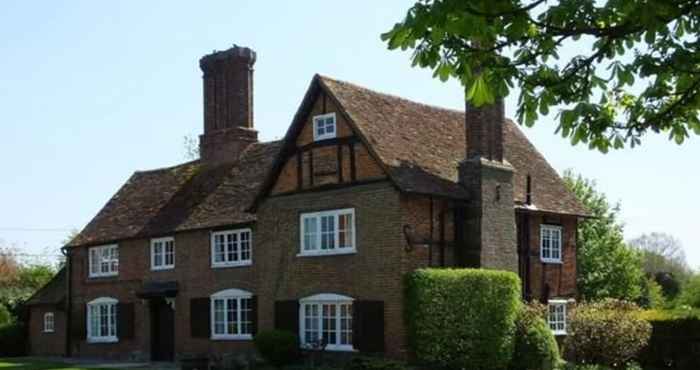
609 332
675 340
535 345
462 318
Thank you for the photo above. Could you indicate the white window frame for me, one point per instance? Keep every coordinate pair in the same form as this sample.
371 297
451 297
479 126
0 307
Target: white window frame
320 300
112 263
239 252
325 135
225 295
112 325
318 235
560 240
163 242
557 326
49 322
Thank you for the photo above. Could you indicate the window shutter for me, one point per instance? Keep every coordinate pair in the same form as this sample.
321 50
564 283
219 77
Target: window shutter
368 326
287 316
200 320
125 321
254 315
80 323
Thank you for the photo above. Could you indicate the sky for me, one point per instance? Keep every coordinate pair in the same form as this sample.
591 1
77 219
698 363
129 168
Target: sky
92 91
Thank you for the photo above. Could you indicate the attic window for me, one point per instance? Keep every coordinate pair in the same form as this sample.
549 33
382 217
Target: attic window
324 127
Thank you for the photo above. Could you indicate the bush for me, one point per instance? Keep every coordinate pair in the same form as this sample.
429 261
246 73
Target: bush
5 316
675 340
535 346
13 340
462 318
690 295
652 294
373 363
609 332
278 347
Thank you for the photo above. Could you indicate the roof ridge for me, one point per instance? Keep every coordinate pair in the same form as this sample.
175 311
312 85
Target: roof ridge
168 168
389 95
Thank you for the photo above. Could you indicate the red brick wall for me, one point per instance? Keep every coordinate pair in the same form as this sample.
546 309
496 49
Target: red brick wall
46 344
561 278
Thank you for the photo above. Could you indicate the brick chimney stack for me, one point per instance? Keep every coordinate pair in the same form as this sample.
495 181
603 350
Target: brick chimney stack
490 239
228 104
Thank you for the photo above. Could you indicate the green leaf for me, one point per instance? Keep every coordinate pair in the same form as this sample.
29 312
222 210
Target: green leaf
480 93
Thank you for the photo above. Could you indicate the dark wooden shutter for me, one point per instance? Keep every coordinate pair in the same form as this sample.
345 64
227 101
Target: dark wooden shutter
368 326
254 315
287 316
79 323
125 321
200 320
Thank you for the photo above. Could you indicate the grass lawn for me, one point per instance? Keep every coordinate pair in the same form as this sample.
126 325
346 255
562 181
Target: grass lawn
29 364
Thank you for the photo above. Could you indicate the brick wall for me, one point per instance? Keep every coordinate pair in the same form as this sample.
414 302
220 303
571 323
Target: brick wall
560 277
40 342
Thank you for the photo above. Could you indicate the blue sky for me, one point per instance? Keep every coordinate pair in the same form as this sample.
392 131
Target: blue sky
92 91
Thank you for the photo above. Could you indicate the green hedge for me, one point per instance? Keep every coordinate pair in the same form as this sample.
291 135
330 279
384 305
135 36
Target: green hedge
535 345
462 318
278 347
675 340
13 340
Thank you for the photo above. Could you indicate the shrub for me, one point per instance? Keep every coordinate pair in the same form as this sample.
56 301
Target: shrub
609 332
5 316
462 318
13 340
652 294
690 295
675 339
277 347
535 346
373 363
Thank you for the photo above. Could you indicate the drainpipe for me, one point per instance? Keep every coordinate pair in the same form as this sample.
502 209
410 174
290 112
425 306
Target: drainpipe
69 299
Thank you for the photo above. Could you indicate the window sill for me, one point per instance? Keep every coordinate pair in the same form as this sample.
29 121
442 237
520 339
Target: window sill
552 261
103 276
163 268
333 253
559 332
232 337
103 340
48 331
227 265
331 348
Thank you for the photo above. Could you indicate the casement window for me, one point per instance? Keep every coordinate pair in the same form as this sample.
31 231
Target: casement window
231 248
328 232
162 253
550 243
102 320
104 260
49 322
232 315
326 319
557 316
324 127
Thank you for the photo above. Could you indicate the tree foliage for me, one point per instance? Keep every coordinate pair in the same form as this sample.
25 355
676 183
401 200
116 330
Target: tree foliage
691 292
616 69
607 267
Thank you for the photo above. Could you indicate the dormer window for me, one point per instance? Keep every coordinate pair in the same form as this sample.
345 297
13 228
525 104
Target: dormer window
324 127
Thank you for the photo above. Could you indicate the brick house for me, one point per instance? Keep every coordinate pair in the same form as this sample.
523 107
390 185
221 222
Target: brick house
313 233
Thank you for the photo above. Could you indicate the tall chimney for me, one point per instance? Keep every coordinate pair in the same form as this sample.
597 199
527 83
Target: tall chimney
228 104
489 238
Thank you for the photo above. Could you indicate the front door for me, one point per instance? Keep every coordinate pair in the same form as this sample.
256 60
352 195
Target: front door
162 331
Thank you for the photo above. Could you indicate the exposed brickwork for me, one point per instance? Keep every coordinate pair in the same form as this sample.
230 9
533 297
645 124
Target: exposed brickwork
560 278
40 342
484 135
228 104
491 238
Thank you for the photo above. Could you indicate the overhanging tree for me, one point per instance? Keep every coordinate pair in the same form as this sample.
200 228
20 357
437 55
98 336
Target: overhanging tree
636 67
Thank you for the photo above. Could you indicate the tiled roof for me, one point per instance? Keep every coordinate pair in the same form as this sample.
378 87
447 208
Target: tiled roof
184 197
421 147
54 292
